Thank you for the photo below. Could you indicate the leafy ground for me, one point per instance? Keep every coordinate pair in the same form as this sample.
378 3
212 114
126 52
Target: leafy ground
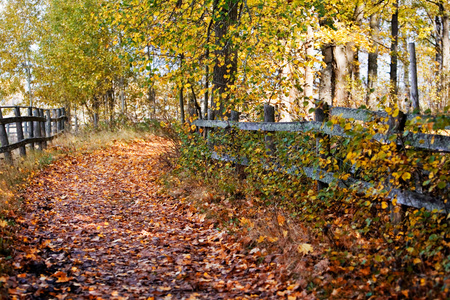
97 226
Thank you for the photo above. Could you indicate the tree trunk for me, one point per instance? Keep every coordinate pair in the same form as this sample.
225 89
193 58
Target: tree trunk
75 119
225 66
96 108
413 74
445 56
151 89
206 99
394 53
445 40
181 97
352 53
326 87
309 74
407 80
341 69
111 103
122 95
372 68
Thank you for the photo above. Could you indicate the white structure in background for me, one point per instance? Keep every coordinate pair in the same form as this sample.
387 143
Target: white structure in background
295 98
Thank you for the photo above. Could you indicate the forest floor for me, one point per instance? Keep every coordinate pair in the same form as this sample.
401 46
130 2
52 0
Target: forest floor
98 226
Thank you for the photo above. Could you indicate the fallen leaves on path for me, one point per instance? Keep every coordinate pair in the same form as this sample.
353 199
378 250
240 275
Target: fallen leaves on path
96 226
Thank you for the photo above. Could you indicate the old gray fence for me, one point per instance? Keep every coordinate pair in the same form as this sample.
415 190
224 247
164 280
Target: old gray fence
319 127
36 127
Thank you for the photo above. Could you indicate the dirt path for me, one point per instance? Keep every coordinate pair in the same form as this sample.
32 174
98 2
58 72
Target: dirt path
95 227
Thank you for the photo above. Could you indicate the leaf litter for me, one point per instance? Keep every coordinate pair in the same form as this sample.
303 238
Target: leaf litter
97 226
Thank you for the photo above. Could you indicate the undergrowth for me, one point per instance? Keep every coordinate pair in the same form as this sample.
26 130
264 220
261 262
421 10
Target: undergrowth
337 242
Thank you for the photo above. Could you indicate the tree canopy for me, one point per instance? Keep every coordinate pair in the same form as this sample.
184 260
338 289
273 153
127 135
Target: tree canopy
224 55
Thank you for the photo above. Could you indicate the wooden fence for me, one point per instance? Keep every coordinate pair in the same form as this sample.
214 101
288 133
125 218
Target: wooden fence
419 141
34 128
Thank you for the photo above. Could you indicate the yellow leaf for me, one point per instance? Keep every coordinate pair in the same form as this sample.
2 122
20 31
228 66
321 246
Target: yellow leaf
272 239
3 223
395 113
305 248
261 239
417 261
285 233
384 205
345 176
193 127
245 221
281 220
406 176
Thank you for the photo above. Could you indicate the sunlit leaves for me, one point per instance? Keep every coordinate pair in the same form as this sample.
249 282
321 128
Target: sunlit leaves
305 248
103 225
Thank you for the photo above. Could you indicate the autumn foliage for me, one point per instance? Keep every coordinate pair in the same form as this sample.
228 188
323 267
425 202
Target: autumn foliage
98 226
348 234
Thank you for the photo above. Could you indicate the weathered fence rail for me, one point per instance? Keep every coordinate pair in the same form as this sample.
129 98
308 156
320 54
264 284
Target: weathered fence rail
37 127
403 138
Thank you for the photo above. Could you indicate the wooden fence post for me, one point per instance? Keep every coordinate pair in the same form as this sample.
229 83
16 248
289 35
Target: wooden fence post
239 168
59 121
397 126
65 122
4 140
54 123
48 122
76 116
25 128
321 114
206 130
37 129
269 117
31 126
20 135
234 116
43 131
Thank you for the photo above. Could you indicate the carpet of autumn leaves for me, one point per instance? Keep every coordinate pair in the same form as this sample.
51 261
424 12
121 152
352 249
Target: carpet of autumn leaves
97 226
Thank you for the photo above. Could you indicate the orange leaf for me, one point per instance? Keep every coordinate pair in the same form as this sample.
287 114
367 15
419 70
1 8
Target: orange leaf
281 220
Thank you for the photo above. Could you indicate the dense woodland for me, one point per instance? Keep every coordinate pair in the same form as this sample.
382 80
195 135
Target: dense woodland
155 59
